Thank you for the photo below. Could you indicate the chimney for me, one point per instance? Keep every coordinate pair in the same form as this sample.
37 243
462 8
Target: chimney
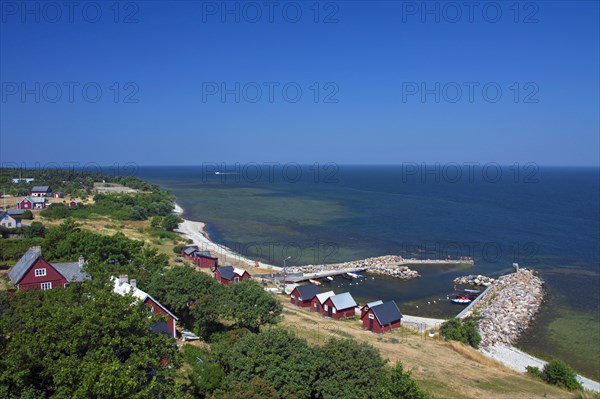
81 261
123 278
133 283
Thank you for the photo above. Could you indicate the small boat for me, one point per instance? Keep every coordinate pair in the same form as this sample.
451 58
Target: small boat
354 275
461 300
329 278
315 282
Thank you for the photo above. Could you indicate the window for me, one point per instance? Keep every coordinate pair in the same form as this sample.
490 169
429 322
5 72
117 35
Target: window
40 272
46 286
371 316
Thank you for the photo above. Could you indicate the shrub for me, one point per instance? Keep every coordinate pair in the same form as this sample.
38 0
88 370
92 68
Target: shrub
400 384
534 371
464 331
27 215
155 222
177 249
170 222
559 373
36 229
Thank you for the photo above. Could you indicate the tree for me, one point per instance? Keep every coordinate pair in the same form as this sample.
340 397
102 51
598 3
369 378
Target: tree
27 215
250 306
192 295
138 213
559 373
171 222
287 363
399 384
347 369
84 341
256 389
36 229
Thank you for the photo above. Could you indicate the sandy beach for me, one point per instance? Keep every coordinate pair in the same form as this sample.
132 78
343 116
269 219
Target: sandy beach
195 231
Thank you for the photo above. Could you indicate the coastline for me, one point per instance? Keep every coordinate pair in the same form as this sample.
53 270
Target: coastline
508 355
196 232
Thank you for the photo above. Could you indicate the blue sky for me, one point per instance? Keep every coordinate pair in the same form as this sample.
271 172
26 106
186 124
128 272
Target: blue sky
380 82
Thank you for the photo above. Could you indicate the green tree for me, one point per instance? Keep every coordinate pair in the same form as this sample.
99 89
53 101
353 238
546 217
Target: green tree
250 306
556 372
276 356
27 215
194 296
170 222
36 229
81 342
138 213
256 389
399 384
358 365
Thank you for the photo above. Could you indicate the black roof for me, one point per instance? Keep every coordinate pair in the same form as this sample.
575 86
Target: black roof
387 312
190 249
226 272
307 292
204 254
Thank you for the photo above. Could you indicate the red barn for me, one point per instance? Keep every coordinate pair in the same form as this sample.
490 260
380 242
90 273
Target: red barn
317 302
200 258
228 274
32 203
339 306
187 251
368 306
382 318
303 295
123 286
34 272
73 204
204 259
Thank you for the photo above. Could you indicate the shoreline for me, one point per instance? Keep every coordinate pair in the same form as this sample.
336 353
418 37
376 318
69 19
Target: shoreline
195 231
509 356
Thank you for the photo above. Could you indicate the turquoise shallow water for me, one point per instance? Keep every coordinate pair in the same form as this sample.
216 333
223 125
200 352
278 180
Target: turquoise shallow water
545 218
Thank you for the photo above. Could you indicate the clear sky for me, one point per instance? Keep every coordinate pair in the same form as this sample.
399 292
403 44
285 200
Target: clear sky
181 83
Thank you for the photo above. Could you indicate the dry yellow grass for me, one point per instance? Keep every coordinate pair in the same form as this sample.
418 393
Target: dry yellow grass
448 370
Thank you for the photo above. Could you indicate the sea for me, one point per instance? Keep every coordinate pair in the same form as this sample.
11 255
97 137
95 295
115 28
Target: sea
544 218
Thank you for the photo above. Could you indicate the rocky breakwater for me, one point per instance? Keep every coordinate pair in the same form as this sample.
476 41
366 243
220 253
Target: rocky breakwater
478 280
389 265
508 307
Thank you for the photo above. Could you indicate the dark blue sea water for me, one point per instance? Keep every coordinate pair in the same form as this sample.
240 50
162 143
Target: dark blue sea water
541 217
